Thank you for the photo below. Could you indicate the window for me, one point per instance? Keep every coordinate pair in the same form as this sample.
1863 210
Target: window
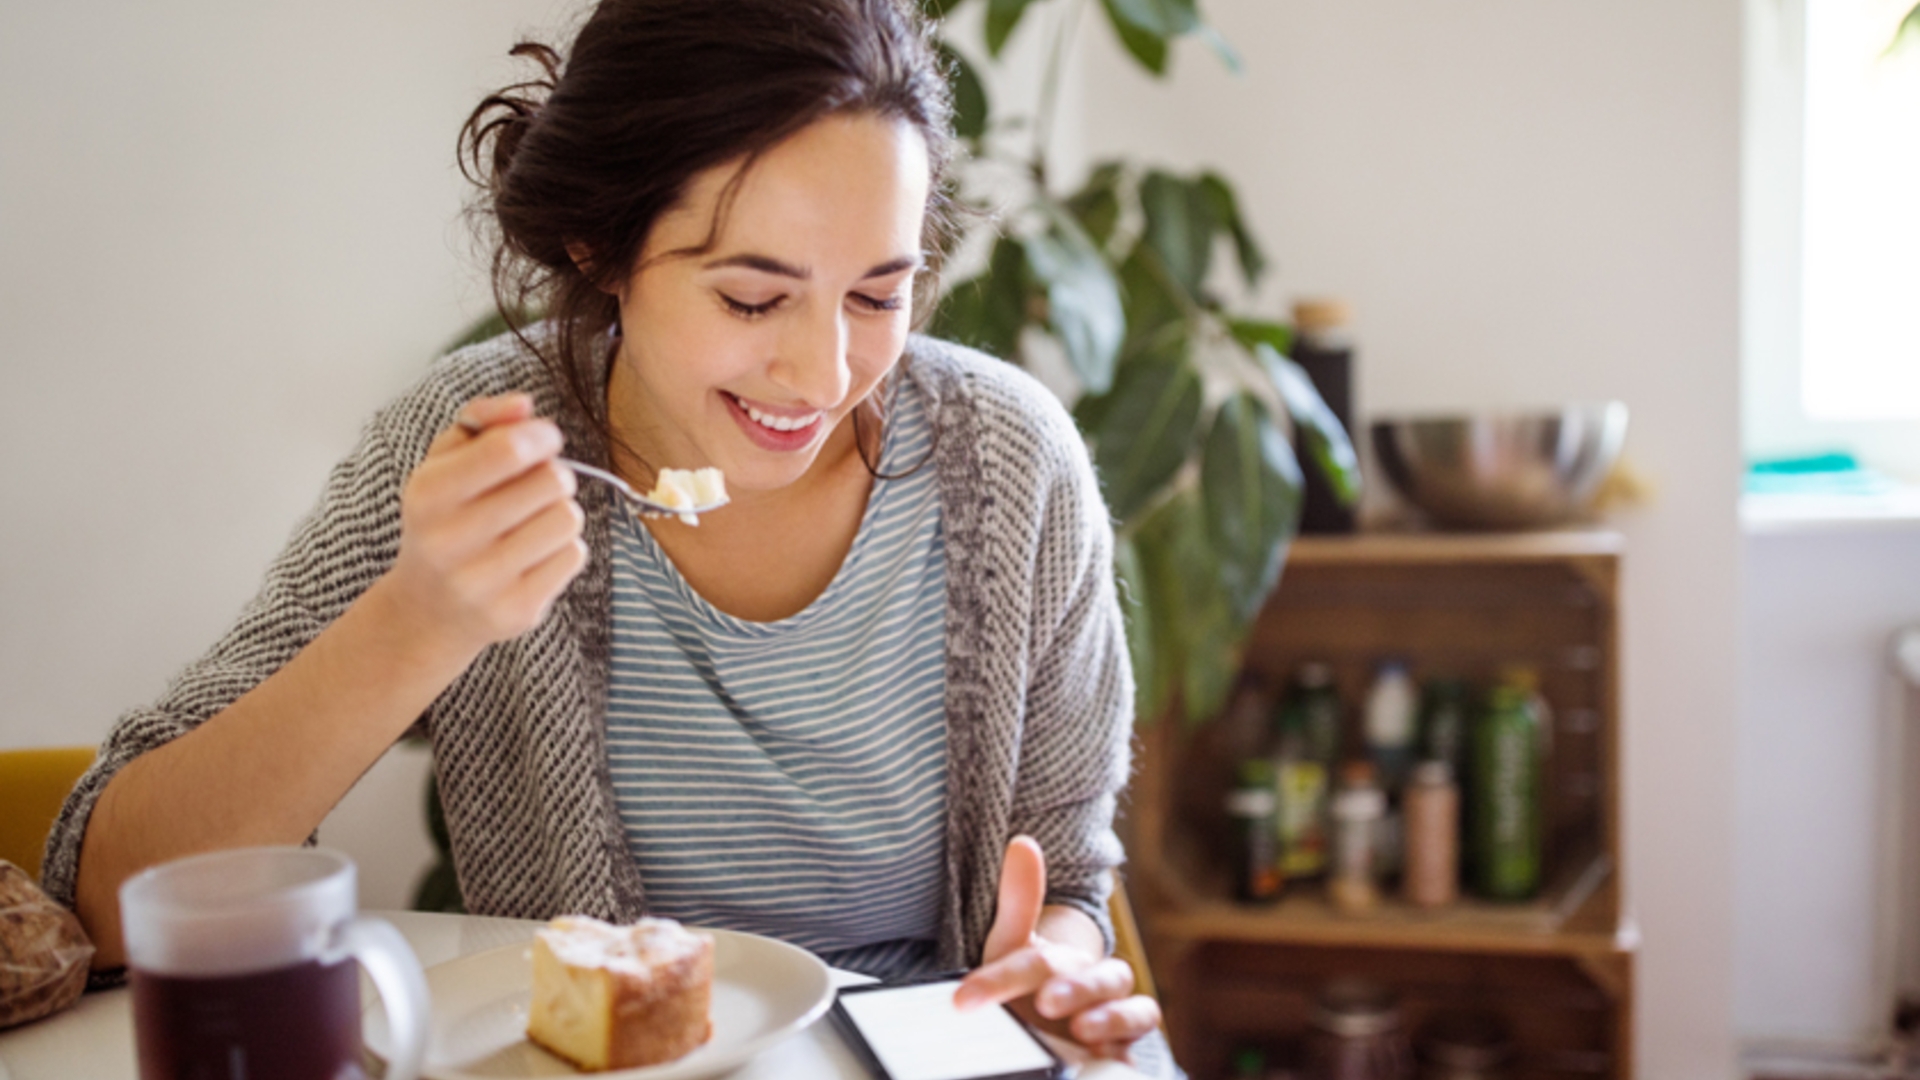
1832 232
1860 259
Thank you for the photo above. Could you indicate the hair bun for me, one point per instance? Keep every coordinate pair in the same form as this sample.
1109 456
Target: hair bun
494 129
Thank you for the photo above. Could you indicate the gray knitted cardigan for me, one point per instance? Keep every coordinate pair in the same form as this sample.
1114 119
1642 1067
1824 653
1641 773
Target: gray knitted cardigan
1038 690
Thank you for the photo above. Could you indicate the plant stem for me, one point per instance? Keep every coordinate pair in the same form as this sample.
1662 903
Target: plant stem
1050 88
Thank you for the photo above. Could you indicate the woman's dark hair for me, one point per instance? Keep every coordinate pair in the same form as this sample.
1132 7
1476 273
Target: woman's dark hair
589 155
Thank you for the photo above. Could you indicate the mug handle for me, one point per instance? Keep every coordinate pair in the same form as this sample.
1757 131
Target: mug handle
389 961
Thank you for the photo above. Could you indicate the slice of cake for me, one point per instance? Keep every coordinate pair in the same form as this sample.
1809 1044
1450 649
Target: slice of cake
620 997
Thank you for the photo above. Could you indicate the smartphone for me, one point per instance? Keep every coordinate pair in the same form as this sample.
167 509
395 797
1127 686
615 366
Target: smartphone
911 1031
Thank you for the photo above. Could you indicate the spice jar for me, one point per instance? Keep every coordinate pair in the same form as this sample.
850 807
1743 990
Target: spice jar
1357 813
1433 836
1253 807
1465 1045
1356 1034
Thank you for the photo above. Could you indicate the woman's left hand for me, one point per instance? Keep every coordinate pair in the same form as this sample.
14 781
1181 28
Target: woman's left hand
1060 986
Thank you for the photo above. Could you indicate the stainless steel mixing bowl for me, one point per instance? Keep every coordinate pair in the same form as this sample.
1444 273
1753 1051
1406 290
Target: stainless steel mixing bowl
1506 471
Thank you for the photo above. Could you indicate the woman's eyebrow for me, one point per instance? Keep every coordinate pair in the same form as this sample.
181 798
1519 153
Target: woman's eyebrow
769 265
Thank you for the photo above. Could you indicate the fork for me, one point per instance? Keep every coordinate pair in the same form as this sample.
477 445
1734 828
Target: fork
643 505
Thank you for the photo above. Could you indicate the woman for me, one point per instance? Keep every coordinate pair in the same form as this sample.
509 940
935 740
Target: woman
877 705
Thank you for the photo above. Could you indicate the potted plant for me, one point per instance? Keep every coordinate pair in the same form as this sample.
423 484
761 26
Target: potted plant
1186 403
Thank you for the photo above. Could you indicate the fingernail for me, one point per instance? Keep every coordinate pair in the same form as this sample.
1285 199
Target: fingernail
1052 1001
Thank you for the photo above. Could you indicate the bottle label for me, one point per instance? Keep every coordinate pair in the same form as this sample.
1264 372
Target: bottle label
1302 818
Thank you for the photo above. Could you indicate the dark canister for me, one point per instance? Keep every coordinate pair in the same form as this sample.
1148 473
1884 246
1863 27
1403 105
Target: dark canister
1357 1034
1465 1045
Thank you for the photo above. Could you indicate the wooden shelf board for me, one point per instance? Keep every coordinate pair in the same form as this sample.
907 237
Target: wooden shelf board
1429 547
1576 916
1468 927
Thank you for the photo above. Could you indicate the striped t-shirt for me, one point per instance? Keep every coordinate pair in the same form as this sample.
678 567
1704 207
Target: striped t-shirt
789 778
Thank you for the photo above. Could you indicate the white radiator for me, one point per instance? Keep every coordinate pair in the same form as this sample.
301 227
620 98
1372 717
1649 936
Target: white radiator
1900 895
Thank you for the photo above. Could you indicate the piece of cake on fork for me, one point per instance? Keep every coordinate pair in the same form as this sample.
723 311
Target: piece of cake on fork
620 997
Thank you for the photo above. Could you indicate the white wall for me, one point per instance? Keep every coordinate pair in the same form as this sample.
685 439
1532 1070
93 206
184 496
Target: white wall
228 231
1530 203
1814 796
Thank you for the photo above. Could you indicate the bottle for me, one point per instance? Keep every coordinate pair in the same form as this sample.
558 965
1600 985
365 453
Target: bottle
1358 810
1432 802
1445 714
1393 713
1323 346
1253 806
1506 798
1306 741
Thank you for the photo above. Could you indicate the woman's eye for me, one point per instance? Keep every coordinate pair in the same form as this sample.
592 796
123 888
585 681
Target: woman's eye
878 303
746 310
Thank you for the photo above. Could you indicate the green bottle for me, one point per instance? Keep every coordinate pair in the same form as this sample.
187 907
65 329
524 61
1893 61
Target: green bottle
1306 741
1505 758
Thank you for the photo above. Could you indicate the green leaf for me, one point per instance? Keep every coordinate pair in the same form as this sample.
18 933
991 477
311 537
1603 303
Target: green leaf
1198 640
1251 332
938 9
1909 33
1097 204
1002 17
1161 18
988 311
1326 441
969 93
1151 308
1180 227
1222 49
1145 46
1083 298
1147 433
1251 486
1150 685
1225 210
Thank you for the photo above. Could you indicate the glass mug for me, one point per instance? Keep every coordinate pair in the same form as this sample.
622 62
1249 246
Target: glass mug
241 965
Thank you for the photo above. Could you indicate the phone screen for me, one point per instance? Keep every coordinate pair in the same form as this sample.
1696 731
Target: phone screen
913 1032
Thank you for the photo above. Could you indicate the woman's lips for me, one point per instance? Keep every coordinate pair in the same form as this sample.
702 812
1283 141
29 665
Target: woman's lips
772 438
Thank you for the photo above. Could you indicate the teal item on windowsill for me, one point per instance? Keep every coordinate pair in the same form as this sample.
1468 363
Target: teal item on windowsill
1833 473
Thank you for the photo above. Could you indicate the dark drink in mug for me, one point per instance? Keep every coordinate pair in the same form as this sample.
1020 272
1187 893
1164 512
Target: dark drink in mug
306 1018
243 968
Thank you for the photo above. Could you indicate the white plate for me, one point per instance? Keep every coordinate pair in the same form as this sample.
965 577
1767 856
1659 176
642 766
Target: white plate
764 991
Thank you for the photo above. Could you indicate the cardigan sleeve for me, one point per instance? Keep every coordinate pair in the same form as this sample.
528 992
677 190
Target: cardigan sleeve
343 544
1074 753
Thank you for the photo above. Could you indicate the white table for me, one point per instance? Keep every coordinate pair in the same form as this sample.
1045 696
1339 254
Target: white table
94 1039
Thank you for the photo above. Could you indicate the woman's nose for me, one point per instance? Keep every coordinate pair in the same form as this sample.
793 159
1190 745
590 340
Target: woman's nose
812 363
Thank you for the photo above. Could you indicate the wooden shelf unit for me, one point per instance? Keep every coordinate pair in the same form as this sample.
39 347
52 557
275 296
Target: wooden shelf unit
1559 967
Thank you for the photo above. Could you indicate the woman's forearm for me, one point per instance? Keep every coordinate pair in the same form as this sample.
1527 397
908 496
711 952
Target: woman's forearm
269 767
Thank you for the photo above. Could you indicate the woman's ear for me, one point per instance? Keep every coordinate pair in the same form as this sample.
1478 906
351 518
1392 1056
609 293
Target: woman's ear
582 257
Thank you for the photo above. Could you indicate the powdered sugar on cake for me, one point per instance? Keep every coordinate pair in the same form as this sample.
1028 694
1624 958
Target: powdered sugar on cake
640 949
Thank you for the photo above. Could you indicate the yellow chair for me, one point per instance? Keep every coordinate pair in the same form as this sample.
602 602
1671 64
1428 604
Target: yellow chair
1127 943
33 786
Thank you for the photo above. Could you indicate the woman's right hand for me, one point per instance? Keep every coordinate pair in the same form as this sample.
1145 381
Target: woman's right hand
489 529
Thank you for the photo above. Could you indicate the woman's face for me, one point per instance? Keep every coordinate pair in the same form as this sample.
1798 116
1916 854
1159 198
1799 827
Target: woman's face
751 355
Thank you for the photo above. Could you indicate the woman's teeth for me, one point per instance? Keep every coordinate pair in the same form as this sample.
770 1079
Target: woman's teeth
778 423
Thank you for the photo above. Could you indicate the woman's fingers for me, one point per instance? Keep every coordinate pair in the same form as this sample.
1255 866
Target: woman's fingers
490 532
485 412
1023 892
464 471
1012 976
1115 1022
1108 980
